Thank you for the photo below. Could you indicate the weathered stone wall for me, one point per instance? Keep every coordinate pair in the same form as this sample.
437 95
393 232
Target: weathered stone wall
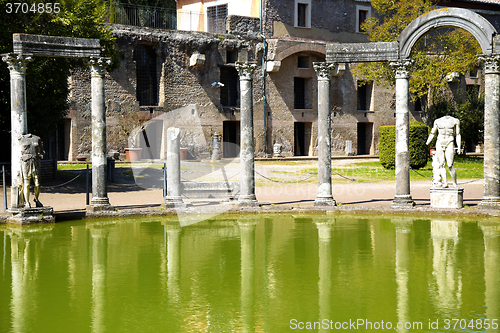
243 25
180 84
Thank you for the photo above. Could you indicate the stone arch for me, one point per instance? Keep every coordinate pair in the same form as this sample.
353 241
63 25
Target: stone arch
465 19
313 48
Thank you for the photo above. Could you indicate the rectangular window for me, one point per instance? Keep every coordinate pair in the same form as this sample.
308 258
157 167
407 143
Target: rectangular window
229 92
301 15
216 16
299 92
147 84
303 62
231 56
362 100
362 13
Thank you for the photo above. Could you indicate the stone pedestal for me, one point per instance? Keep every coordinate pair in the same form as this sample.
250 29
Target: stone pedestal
31 215
451 198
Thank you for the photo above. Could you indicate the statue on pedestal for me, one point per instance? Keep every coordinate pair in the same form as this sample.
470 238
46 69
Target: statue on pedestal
448 129
31 152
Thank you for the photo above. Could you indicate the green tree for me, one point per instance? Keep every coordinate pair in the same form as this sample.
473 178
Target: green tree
47 78
436 55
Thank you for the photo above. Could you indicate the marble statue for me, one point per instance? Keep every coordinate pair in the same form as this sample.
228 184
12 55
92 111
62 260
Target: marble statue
30 154
448 129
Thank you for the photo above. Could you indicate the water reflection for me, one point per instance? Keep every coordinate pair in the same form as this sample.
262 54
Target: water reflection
99 233
25 248
325 268
403 229
492 271
447 284
247 230
247 273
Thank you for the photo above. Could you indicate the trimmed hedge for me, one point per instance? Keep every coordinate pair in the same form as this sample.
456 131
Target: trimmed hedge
419 152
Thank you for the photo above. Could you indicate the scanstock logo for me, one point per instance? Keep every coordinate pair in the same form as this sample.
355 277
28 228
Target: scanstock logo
209 187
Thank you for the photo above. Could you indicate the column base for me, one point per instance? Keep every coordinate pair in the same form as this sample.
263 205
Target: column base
402 202
248 201
99 205
173 202
325 201
34 215
490 202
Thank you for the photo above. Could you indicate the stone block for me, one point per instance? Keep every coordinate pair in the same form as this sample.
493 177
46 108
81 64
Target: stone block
197 60
31 215
56 46
451 198
362 52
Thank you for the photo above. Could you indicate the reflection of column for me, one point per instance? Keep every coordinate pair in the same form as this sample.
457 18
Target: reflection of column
324 73
173 232
492 271
19 123
403 197
325 268
403 229
99 235
448 281
24 243
100 198
247 175
247 231
491 196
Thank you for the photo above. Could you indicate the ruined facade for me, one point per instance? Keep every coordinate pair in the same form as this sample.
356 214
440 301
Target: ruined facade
164 70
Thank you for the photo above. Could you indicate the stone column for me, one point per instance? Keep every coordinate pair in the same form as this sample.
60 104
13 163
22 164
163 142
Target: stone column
247 152
173 198
491 194
100 200
19 122
324 73
403 198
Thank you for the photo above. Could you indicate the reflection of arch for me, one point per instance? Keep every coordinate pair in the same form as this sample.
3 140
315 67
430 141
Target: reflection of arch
465 19
313 48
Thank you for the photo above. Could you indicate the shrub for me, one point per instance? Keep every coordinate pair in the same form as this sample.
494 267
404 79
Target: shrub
419 152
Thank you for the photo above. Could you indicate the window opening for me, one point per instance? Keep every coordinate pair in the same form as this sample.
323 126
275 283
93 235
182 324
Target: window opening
217 18
147 84
299 90
229 92
303 62
301 15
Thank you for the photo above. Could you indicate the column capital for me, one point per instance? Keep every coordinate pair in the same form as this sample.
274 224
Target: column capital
402 68
324 70
98 65
245 70
491 63
17 62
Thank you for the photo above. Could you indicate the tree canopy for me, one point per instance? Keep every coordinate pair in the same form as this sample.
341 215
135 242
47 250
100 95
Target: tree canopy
435 56
47 78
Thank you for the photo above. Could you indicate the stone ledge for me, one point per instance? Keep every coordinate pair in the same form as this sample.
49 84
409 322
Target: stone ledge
35 215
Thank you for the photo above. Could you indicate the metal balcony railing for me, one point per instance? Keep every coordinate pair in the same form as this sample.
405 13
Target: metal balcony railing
142 16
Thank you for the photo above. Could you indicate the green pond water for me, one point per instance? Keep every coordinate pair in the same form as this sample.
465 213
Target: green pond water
252 273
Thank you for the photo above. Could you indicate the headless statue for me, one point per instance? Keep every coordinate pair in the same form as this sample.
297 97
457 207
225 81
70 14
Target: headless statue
448 129
30 154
